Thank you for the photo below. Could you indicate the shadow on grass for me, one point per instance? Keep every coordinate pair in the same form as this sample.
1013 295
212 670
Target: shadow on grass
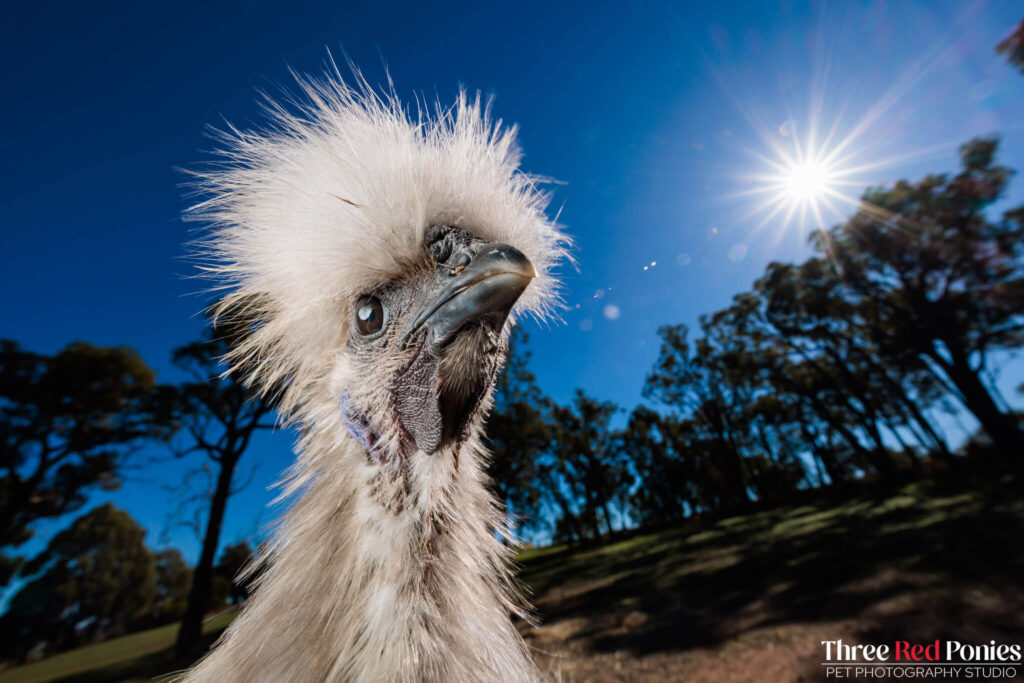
808 564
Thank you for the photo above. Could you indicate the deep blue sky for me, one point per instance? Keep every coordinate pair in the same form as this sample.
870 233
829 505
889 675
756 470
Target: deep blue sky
651 114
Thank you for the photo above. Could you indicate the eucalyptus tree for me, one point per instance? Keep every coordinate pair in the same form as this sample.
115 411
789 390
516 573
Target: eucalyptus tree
95 579
518 435
234 560
745 349
691 379
592 468
220 417
67 423
808 311
941 278
658 448
173 582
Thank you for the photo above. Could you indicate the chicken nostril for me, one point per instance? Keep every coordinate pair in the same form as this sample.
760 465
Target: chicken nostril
460 264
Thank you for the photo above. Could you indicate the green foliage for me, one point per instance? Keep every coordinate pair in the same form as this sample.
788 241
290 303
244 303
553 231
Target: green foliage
1013 47
66 422
694 379
233 559
517 434
98 579
933 278
657 446
173 579
588 466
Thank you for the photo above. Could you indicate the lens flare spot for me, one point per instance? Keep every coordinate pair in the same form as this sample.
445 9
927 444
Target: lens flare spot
738 252
683 260
612 312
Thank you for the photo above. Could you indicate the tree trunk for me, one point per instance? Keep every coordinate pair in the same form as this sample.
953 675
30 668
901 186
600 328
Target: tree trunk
563 504
199 597
879 455
1001 427
908 451
727 457
938 442
841 428
607 519
826 454
728 463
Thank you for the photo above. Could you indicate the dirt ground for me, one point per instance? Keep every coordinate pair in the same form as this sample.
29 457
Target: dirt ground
572 650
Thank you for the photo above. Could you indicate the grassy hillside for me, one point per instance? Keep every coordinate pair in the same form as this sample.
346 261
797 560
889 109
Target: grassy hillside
745 598
133 656
751 597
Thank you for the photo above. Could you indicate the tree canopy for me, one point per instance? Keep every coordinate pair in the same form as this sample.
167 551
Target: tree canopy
66 423
98 578
1013 47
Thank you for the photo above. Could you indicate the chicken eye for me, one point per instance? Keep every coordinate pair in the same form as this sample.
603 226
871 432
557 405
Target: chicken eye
369 315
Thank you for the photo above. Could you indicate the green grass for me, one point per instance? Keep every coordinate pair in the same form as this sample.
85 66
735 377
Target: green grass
113 659
805 563
925 542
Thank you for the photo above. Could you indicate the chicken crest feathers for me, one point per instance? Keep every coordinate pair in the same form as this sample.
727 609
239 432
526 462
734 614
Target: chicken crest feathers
334 196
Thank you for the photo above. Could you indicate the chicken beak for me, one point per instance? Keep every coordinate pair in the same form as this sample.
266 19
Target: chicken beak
436 394
486 289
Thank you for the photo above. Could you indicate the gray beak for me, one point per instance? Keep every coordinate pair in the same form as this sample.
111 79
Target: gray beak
486 288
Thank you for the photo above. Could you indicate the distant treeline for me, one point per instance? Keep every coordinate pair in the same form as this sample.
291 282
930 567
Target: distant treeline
826 371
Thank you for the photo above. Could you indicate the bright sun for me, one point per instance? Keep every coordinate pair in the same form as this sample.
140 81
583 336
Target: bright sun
812 179
807 181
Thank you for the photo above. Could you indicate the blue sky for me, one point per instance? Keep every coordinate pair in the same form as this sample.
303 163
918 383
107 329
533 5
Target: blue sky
652 116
